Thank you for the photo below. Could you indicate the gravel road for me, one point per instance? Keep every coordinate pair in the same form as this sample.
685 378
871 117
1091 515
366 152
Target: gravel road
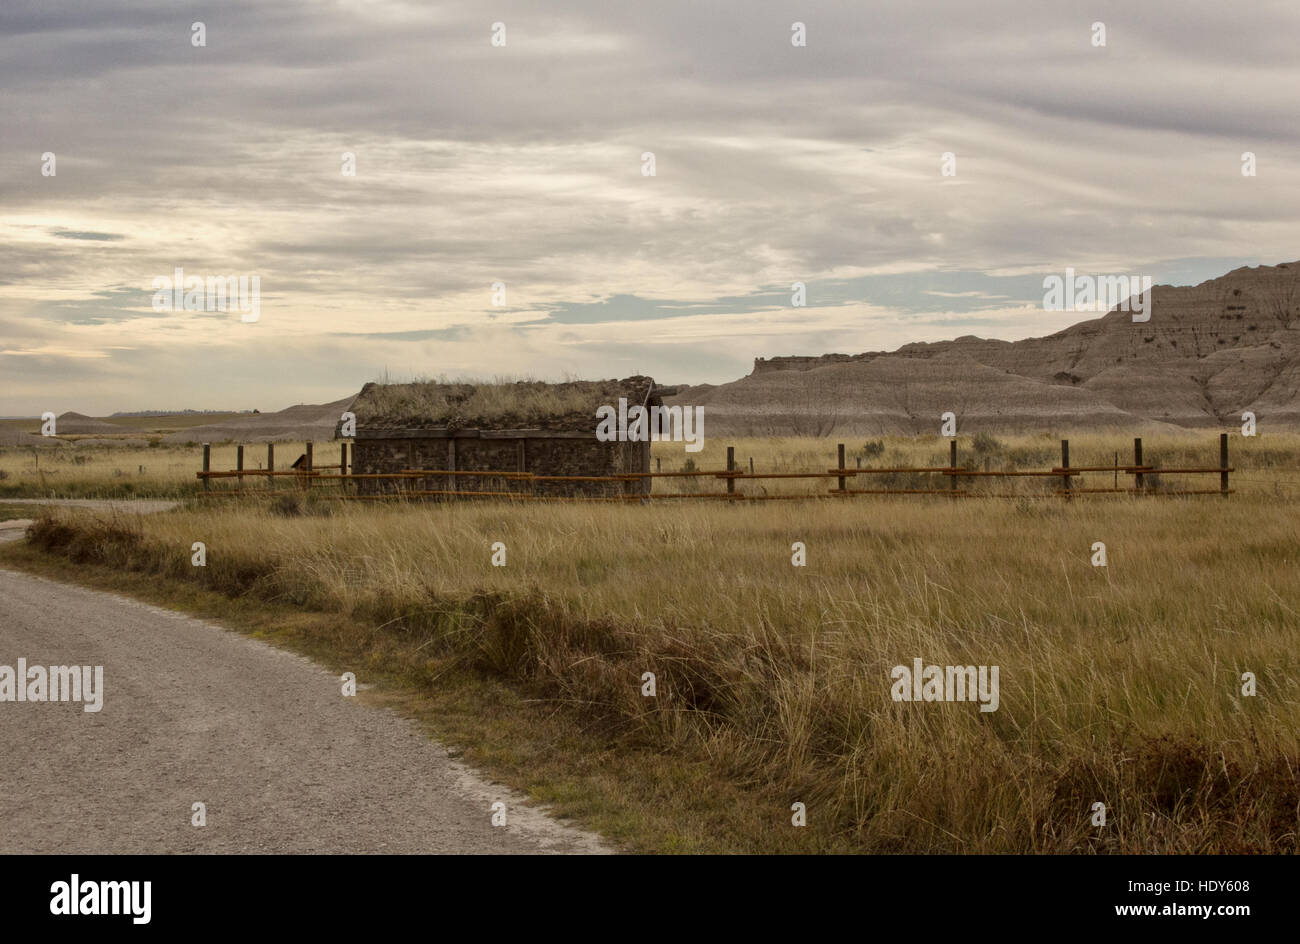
193 712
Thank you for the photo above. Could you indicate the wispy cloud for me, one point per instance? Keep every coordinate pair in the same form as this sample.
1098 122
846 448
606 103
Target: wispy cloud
522 164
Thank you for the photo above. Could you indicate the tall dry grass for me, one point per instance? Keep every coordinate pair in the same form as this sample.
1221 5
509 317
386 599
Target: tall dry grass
1119 685
133 469
1268 463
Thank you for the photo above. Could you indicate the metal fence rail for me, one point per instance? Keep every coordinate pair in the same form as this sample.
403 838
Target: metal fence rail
305 475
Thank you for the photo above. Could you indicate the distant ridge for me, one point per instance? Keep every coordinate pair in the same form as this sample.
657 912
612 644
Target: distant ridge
179 413
78 424
305 421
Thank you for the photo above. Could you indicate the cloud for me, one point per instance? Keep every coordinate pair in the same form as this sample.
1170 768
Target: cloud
522 164
93 237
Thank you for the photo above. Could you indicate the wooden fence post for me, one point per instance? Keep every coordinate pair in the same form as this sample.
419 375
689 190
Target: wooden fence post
952 464
521 465
307 467
1139 480
731 467
841 465
1223 463
239 465
270 465
343 467
452 481
1065 465
207 466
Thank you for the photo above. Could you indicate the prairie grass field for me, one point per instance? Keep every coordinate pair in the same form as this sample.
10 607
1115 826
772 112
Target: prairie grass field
130 468
148 469
1120 685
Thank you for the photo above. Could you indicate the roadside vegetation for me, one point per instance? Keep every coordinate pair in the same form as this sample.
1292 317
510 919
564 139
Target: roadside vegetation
13 512
1120 685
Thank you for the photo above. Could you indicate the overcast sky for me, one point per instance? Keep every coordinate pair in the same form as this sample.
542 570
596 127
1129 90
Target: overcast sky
522 164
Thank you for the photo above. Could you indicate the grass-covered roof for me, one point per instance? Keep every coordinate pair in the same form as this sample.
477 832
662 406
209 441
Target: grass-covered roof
499 404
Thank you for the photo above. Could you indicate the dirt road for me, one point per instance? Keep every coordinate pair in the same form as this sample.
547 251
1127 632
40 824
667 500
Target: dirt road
192 712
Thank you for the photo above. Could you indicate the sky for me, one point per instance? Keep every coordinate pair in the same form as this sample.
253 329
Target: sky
506 143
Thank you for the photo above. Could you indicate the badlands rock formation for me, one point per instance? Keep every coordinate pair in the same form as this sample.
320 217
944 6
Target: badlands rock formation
1208 353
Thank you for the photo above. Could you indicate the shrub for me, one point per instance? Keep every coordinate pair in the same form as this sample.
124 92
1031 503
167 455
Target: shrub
1029 456
287 506
985 445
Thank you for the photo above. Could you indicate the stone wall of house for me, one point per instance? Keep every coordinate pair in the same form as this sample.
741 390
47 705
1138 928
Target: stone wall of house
540 455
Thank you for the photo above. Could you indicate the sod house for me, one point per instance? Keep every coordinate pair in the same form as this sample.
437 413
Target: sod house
548 430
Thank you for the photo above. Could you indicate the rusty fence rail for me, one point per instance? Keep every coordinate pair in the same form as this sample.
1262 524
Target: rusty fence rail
307 475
